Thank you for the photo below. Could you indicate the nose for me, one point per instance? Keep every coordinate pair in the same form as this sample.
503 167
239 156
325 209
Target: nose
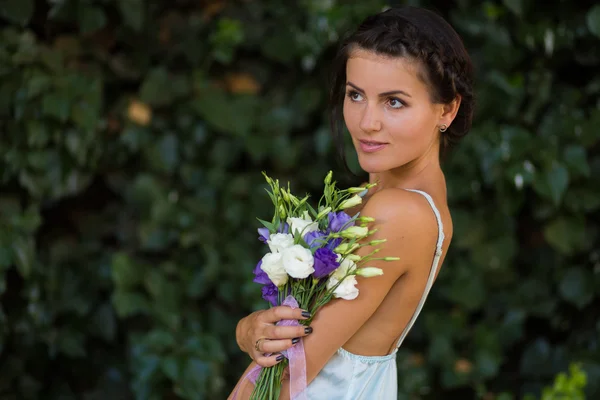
370 121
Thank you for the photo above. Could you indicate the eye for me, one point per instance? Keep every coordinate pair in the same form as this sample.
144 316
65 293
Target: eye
354 95
395 102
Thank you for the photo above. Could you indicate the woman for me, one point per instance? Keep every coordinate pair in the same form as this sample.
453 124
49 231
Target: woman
403 86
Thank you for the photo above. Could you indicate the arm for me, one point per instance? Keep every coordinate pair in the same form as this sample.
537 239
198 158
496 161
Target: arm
400 217
406 221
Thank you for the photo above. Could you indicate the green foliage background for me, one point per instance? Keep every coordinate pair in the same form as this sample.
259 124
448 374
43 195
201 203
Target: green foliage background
133 134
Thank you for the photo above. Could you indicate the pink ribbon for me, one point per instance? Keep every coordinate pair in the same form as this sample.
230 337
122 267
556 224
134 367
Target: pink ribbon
296 357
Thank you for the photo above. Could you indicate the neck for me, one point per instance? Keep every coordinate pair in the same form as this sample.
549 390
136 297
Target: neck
413 175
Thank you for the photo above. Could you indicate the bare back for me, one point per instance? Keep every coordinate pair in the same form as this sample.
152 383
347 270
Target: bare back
380 334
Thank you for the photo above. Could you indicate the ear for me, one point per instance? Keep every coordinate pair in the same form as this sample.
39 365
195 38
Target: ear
449 111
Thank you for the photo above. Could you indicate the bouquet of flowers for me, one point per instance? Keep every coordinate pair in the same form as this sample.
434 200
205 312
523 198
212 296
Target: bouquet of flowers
311 260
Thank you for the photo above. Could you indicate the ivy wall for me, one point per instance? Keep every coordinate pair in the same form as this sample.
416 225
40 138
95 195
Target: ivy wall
133 136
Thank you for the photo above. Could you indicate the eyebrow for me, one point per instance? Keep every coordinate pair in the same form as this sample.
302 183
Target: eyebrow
384 94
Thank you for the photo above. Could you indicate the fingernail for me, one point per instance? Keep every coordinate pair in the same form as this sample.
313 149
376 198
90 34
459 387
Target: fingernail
305 314
279 358
308 330
295 340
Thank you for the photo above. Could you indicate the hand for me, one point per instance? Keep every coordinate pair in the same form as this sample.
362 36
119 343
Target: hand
260 327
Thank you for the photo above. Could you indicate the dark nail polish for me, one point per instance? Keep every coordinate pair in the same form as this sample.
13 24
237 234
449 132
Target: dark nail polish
295 340
308 330
279 357
305 314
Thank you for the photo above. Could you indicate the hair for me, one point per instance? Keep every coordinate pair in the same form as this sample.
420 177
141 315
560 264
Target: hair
419 35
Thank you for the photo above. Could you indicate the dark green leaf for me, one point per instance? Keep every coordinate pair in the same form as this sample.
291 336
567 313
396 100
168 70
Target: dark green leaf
91 19
593 20
132 12
576 159
17 11
128 304
565 234
577 287
553 183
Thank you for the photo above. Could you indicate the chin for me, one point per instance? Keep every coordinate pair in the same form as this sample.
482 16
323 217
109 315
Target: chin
372 166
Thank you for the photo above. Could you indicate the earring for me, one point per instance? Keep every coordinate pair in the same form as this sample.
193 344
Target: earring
443 127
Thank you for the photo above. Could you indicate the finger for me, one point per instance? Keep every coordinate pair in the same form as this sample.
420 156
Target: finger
275 332
277 346
278 313
265 361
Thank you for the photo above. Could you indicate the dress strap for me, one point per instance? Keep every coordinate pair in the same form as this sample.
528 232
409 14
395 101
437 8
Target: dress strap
434 267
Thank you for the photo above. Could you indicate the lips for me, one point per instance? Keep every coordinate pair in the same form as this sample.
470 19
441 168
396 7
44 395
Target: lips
371 146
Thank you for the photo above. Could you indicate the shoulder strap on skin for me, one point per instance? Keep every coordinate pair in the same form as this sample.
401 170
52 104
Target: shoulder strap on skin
434 267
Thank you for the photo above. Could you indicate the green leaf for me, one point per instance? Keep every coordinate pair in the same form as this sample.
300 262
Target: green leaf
24 255
125 272
17 11
214 106
128 304
553 183
593 20
156 88
565 234
104 324
57 105
91 19
170 367
576 159
132 12
516 6
71 343
577 287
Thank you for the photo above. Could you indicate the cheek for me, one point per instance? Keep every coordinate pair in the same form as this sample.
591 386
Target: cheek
412 125
351 117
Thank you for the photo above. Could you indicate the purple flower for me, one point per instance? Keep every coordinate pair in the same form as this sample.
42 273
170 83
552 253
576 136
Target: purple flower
261 276
269 293
314 239
333 243
264 234
339 221
325 262
283 228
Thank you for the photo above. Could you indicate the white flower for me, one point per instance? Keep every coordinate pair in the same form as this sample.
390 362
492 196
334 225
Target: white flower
346 266
302 225
369 272
351 202
298 261
280 241
272 264
346 290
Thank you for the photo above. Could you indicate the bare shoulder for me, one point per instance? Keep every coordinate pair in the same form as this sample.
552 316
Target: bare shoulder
394 204
406 220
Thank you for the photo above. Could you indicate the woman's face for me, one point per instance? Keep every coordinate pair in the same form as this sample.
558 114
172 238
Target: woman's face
389 113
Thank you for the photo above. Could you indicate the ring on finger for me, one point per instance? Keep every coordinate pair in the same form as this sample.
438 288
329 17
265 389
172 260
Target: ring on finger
257 344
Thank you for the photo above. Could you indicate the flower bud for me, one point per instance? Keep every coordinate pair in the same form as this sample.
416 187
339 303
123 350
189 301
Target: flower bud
323 212
351 202
303 200
355 190
294 200
345 248
377 242
328 178
354 257
285 195
369 272
391 258
282 213
269 180
354 232
365 220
